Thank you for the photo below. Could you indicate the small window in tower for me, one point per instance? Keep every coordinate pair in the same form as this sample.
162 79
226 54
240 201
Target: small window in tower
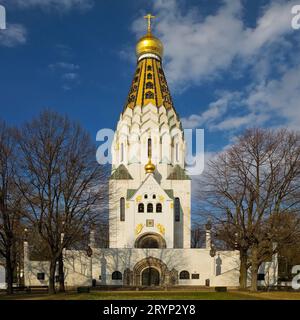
146 196
149 153
122 209
136 79
154 196
149 95
149 85
160 70
122 152
137 70
149 76
177 209
158 207
141 208
149 68
150 207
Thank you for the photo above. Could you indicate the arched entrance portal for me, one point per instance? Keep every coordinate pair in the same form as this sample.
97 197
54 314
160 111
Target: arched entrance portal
150 277
150 240
151 271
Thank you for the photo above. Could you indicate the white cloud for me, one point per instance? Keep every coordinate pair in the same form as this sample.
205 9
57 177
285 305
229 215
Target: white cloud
216 110
68 73
64 65
71 76
273 102
63 5
280 97
198 48
15 34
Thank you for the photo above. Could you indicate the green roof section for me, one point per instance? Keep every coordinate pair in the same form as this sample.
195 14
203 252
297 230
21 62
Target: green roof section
178 174
170 193
121 173
130 193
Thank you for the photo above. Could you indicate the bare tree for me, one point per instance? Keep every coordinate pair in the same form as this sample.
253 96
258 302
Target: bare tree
252 190
61 183
197 236
10 205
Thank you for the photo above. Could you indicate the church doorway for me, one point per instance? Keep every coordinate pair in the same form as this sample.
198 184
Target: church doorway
150 277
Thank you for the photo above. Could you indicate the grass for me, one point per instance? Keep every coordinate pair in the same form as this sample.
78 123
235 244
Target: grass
159 295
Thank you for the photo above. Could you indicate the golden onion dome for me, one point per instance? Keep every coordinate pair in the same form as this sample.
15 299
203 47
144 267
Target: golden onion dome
149 167
149 44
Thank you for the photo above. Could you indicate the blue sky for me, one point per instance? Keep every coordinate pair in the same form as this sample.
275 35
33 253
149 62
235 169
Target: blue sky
230 64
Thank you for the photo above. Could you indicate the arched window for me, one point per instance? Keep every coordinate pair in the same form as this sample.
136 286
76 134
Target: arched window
154 196
149 76
122 209
146 196
149 95
149 207
184 275
149 85
149 148
141 208
177 209
149 68
116 275
158 207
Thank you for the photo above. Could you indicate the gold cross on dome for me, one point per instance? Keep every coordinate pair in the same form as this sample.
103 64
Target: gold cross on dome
149 17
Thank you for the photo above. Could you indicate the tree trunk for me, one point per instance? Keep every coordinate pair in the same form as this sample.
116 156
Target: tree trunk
254 268
52 276
9 275
243 269
61 274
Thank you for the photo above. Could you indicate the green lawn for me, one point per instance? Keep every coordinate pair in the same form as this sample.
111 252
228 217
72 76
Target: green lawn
163 295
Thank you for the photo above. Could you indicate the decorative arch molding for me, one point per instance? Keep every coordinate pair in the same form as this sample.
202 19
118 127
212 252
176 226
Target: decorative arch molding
167 277
150 240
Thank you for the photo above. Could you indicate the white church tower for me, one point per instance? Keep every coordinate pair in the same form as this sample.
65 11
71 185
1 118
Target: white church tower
150 192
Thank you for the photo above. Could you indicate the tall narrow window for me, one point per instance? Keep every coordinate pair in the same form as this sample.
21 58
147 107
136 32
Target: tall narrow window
122 152
122 209
149 207
149 148
177 209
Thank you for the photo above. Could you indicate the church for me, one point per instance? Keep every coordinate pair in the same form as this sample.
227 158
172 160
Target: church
150 201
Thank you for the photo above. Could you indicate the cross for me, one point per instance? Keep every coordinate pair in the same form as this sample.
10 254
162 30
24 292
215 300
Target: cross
149 17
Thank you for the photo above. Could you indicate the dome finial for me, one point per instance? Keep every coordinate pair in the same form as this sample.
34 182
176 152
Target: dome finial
149 44
149 167
149 17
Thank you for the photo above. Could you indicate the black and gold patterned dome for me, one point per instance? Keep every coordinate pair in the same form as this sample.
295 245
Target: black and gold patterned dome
149 83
